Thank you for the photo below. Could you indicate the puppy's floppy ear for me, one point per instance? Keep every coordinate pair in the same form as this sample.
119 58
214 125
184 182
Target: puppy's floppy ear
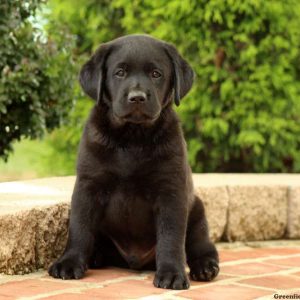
92 74
183 74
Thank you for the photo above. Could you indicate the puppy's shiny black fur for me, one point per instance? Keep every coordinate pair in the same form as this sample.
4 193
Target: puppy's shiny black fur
133 203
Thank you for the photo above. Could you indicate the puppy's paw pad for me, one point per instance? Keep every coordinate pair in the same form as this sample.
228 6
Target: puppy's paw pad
67 268
204 269
171 280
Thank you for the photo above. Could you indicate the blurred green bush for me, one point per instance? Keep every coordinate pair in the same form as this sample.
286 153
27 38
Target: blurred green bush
243 114
36 75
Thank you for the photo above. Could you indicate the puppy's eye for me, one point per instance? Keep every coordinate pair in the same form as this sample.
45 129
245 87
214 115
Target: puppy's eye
120 73
155 74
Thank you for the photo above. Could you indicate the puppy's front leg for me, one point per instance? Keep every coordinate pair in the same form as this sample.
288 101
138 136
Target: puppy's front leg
171 222
73 263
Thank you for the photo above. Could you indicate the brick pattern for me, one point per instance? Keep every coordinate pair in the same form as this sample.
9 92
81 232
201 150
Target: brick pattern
246 273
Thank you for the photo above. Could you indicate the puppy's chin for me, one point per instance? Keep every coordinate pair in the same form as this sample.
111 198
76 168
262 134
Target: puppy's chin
138 120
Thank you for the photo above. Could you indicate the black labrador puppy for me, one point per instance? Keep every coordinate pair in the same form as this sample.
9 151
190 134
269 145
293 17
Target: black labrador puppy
133 203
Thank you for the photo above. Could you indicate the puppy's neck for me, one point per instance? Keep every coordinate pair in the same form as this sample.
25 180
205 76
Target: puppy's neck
103 132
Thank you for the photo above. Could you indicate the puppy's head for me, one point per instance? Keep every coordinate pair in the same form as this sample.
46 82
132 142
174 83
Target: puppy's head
136 76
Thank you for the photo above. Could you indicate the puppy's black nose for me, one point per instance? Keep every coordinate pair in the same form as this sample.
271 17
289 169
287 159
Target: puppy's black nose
136 97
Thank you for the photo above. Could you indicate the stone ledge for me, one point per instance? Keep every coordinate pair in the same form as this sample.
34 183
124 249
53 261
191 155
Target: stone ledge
239 207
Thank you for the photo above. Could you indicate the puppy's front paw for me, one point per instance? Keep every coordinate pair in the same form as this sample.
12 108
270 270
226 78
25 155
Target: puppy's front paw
204 269
67 268
168 278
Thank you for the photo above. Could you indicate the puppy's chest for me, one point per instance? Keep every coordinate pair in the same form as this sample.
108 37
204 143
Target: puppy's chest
130 196
131 162
129 209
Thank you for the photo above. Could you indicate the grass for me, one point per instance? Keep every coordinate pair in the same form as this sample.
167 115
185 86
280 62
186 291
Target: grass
29 160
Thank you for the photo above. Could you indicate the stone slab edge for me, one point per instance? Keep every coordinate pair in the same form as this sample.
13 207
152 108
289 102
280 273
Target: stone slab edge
33 238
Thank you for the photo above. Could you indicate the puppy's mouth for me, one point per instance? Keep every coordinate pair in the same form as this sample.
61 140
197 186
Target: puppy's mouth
137 117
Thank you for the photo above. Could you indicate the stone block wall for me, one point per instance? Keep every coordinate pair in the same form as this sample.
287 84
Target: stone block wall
34 214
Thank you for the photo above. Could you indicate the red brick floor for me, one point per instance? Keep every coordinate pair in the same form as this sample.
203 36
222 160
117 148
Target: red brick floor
246 273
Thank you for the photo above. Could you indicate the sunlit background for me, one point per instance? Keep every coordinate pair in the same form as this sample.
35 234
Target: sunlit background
242 115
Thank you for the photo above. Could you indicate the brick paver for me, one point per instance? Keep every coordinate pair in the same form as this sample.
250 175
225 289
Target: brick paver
246 273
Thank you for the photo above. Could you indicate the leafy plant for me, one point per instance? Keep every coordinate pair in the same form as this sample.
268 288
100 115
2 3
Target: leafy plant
243 114
36 75
244 111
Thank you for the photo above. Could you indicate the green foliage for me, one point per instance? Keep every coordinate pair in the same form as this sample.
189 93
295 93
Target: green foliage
25 161
63 142
91 22
36 75
243 113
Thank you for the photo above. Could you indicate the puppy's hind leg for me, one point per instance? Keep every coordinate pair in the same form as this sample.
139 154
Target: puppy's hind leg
202 256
